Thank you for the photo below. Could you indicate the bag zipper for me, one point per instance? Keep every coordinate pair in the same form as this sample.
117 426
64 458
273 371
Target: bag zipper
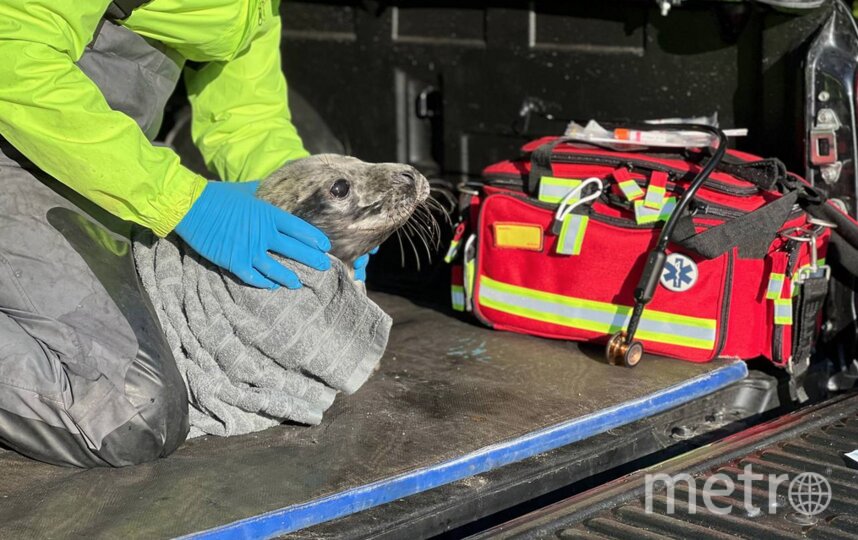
699 208
506 180
725 305
777 336
717 210
631 164
518 180
620 222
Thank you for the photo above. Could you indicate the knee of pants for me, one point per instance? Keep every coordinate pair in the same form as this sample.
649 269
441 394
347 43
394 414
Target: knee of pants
41 392
161 425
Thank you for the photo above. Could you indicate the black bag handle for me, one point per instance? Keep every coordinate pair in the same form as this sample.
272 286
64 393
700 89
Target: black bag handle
540 162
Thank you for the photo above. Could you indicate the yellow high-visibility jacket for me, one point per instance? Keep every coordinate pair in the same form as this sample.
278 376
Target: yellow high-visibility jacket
57 117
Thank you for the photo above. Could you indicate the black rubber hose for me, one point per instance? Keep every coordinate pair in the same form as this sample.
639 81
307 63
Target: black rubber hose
657 257
667 230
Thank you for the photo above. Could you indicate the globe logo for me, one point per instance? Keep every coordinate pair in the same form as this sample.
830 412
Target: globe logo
809 493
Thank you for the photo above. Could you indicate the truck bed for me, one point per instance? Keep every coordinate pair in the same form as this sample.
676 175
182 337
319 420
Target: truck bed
812 440
450 401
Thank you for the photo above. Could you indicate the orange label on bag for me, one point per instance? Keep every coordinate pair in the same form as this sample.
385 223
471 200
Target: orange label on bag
518 236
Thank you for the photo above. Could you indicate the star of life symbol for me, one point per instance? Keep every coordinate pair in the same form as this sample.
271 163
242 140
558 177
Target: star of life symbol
679 274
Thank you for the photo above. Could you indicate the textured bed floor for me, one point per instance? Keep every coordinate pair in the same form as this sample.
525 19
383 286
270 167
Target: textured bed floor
451 399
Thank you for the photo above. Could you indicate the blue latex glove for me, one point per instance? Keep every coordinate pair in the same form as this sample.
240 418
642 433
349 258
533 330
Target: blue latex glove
233 229
361 264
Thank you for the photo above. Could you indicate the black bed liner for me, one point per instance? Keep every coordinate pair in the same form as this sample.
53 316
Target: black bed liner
450 401
813 440
484 500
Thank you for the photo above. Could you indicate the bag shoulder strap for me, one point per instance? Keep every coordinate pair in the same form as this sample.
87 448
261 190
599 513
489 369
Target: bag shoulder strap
119 10
752 233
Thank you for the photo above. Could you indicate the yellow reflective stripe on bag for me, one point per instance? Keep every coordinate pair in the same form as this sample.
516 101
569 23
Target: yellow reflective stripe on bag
457 297
451 251
631 190
656 190
776 286
470 259
553 190
572 234
593 316
783 311
644 215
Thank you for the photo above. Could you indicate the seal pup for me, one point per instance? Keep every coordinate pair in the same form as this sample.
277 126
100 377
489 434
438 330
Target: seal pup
356 204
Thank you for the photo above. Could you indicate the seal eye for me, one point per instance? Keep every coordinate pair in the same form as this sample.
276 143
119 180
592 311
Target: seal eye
340 188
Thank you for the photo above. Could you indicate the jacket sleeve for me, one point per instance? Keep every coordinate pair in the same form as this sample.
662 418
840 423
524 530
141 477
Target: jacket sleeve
59 119
241 121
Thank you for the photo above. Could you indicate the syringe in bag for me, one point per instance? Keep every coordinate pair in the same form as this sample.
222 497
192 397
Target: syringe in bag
681 139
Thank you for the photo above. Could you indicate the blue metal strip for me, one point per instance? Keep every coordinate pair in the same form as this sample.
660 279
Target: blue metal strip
337 505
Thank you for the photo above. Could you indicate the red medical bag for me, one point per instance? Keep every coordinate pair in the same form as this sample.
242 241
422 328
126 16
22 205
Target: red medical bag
554 244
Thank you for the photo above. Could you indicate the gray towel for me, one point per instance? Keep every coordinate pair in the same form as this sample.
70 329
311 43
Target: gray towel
253 358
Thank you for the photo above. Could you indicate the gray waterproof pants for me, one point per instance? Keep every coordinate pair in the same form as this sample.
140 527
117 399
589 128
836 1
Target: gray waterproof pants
86 376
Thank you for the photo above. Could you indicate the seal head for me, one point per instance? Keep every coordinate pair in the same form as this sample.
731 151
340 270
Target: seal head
356 204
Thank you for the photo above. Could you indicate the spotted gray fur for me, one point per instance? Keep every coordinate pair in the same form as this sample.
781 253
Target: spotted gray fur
382 198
